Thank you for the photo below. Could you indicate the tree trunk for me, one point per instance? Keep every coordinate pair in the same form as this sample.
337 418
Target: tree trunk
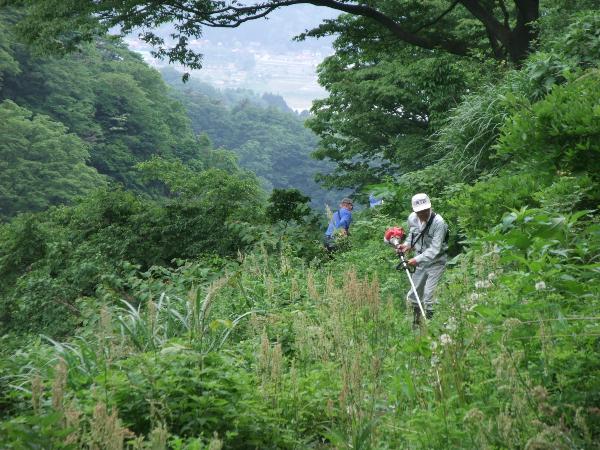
524 33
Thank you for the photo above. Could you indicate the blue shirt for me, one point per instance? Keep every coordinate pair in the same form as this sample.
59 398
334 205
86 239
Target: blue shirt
340 219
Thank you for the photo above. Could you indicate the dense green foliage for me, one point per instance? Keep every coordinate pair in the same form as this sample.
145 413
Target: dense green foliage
51 263
195 324
389 101
287 205
398 67
383 106
41 164
106 96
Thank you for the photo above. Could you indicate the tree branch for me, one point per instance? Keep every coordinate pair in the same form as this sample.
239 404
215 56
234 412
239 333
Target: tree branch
505 13
233 11
527 12
231 16
440 17
493 25
236 23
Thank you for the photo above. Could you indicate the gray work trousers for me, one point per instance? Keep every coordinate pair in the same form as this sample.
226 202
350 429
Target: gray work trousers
425 280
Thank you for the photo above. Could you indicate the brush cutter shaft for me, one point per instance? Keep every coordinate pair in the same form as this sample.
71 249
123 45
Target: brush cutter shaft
395 236
404 264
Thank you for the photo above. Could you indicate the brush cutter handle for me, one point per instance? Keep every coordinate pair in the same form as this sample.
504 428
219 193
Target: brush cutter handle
403 264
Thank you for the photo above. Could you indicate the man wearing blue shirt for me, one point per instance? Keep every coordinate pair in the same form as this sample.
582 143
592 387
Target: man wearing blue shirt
339 223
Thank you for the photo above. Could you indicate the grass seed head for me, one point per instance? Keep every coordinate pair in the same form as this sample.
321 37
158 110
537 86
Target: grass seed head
581 424
329 286
549 438
270 286
474 416
311 286
59 385
37 393
158 438
264 353
152 316
215 443
276 363
294 289
106 432
73 422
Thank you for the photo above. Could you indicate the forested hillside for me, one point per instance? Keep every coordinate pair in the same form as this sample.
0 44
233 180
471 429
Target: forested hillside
110 111
213 319
266 135
110 104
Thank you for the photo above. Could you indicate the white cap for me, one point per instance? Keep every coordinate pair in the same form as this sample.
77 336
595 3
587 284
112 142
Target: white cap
420 202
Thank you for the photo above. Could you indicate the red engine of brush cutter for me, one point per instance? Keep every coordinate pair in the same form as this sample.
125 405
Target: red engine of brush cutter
394 236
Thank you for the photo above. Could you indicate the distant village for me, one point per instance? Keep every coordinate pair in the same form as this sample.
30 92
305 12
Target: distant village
252 65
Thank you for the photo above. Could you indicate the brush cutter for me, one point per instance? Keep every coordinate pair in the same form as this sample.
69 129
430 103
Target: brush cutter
395 236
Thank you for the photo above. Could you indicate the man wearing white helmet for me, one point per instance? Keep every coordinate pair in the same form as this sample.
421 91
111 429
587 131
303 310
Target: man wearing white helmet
427 237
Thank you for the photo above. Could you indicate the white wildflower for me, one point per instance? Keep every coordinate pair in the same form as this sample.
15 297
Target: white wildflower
451 325
475 296
482 284
434 361
445 339
491 276
540 285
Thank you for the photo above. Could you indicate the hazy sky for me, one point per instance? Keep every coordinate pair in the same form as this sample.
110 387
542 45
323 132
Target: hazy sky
260 55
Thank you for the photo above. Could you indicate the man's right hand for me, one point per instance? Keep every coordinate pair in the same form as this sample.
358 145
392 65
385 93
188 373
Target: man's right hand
402 248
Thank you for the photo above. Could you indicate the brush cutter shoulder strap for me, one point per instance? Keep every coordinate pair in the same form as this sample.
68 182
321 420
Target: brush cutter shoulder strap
421 235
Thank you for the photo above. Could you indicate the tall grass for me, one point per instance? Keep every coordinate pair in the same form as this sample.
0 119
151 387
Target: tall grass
149 328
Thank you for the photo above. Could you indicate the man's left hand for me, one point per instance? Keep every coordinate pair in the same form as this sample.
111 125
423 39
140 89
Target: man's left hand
412 262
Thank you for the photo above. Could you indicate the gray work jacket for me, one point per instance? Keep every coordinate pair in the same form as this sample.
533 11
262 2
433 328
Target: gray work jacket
431 248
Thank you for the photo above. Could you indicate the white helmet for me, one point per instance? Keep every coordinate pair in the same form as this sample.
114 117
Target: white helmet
420 202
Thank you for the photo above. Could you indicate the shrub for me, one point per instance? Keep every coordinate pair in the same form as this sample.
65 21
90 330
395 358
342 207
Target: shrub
561 132
197 396
580 41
